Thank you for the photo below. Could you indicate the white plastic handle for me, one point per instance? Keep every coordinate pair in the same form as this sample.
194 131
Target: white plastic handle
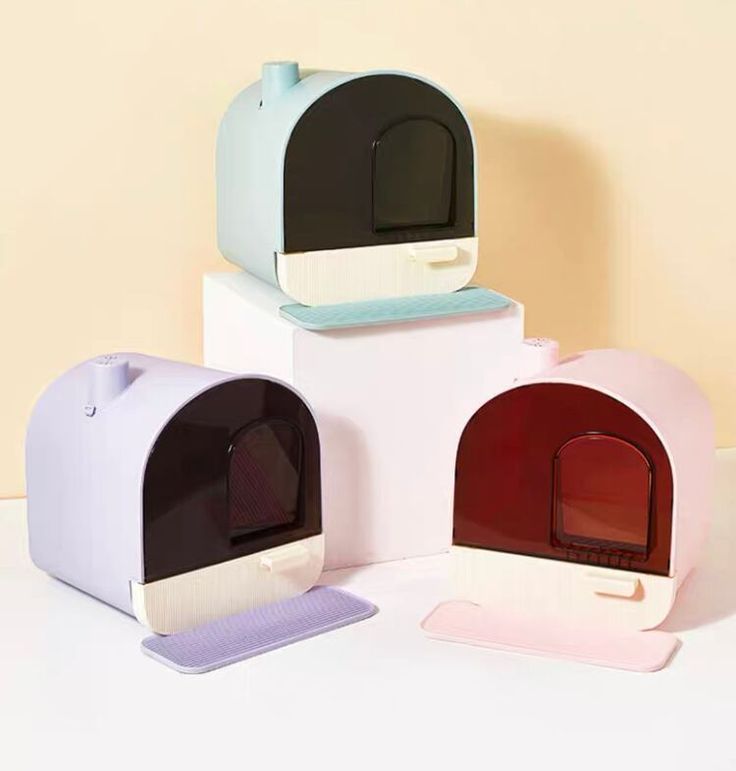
615 586
434 254
285 559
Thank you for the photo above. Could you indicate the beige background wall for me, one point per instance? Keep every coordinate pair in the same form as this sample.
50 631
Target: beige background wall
605 131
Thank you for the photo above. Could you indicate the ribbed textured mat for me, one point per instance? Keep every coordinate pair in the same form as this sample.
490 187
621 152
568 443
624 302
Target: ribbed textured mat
248 634
471 299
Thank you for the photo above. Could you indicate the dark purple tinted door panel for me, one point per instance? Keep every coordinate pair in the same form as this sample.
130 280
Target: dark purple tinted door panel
234 472
264 477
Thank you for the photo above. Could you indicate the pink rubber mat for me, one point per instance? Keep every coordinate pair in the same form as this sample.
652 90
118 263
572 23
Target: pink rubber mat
465 622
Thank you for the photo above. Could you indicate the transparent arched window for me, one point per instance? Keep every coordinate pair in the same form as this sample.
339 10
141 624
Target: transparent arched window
413 176
602 495
264 478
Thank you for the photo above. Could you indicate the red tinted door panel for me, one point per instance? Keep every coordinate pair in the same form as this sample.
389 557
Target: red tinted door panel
602 495
532 478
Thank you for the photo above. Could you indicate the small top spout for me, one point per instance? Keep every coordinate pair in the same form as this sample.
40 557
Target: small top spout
276 78
109 376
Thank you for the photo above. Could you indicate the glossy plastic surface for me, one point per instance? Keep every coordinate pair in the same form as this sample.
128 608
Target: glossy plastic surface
330 163
602 495
566 472
413 175
264 477
233 472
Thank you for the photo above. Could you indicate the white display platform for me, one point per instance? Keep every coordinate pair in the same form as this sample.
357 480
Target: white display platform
76 692
390 402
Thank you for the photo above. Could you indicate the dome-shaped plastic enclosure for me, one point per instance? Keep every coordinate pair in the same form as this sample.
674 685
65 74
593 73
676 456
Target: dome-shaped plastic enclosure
176 493
588 487
339 186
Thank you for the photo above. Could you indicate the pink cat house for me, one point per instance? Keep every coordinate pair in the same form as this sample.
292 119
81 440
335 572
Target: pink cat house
582 498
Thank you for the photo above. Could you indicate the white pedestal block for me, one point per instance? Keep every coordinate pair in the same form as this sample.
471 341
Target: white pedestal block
390 402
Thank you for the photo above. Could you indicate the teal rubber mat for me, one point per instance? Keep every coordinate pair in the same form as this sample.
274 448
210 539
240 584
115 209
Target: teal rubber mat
471 299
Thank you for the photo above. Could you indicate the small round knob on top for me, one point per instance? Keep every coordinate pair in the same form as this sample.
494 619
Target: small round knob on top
109 377
538 354
276 78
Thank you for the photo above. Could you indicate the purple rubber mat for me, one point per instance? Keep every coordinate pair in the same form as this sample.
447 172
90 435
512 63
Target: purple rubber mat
248 634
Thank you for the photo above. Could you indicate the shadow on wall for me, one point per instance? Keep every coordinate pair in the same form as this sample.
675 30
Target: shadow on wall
545 229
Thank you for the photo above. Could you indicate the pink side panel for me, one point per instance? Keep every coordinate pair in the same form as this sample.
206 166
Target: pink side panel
465 622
